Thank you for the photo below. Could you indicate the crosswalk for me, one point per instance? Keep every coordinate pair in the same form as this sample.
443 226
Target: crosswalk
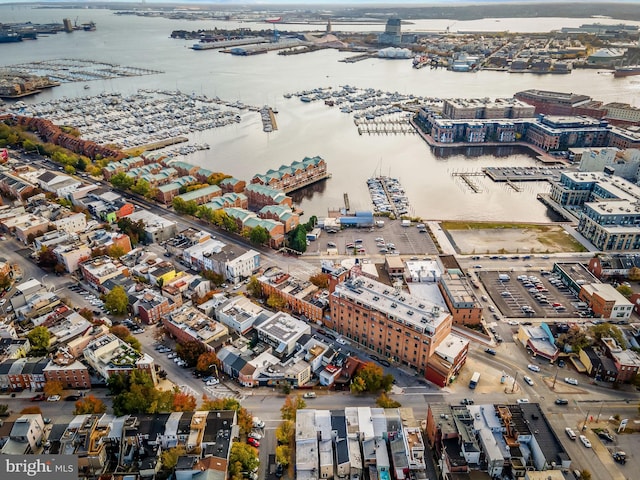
222 392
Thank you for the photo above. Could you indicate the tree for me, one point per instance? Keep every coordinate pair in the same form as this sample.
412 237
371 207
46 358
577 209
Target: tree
320 280
625 290
183 402
576 338
141 187
53 387
259 235
120 331
122 181
292 403
373 379
190 351
117 301
170 457
608 330
245 419
135 230
4 408
89 404
297 238
31 410
86 313
276 302
285 432
115 251
283 455
206 361
39 338
384 401
214 277
634 274
47 259
243 458
585 474
5 281
254 288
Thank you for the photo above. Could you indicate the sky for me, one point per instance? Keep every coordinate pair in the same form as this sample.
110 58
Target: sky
341 3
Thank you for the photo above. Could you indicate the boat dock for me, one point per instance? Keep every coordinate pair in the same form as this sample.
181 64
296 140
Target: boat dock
306 183
383 125
467 178
524 174
346 201
388 195
268 119
359 58
160 144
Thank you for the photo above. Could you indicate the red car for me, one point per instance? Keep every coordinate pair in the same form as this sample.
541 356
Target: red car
253 442
38 398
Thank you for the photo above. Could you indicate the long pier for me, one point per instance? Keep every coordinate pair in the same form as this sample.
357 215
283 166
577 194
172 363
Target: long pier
346 201
466 178
306 183
384 126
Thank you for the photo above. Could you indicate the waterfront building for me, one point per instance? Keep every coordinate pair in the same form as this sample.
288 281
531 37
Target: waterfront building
232 185
392 32
561 133
552 103
403 328
295 176
167 192
282 214
260 196
622 114
201 195
484 108
124 165
228 200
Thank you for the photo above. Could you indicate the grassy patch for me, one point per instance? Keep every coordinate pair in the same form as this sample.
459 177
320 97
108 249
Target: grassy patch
458 225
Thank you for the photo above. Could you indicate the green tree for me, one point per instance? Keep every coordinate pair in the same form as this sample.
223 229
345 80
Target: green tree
575 337
115 251
122 181
625 290
135 393
297 238
39 338
608 330
81 164
292 403
190 351
117 301
243 458
634 274
170 457
135 230
373 378
141 187
384 401
254 288
259 235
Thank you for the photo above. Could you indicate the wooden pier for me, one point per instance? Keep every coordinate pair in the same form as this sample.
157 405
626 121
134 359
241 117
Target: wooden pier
346 201
380 126
467 179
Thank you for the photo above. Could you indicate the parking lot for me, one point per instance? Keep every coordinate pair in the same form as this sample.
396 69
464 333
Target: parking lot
530 294
391 238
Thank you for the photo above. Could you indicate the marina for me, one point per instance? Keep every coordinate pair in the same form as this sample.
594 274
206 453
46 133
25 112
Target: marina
388 196
147 117
66 70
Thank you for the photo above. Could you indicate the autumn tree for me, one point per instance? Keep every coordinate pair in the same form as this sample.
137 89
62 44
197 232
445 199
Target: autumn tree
39 338
5 281
634 274
89 404
245 419
292 403
190 351
608 330
117 300
285 432
242 458
283 455
254 288
575 337
384 401
214 277
183 402
120 331
625 290
170 457
31 410
53 387
320 280
371 379
115 251
206 361
47 259
86 313
276 302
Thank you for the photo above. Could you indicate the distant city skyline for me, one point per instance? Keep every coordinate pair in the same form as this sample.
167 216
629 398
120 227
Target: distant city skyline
337 3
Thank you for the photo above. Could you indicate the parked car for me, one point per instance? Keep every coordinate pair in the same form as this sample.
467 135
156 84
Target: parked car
53 398
256 435
253 442
562 401
490 351
38 398
522 400
466 401
605 435
71 398
620 457
533 368
309 395
279 470
571 381
585 441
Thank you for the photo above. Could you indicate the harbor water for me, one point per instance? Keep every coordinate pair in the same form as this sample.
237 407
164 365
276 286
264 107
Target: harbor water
309 129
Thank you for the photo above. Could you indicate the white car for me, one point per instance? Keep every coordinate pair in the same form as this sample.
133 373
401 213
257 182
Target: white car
212 382
528 380
53 398
522 400
571 381
341 341
513 323
533 368
171 355
3 301
255 435
585 441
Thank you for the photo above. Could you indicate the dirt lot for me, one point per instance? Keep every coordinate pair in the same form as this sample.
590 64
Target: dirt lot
512 296
532 239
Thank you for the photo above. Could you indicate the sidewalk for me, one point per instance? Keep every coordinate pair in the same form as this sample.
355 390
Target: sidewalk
446 247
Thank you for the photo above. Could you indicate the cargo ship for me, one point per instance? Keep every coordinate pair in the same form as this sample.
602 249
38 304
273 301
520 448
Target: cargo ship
627 71
10 37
